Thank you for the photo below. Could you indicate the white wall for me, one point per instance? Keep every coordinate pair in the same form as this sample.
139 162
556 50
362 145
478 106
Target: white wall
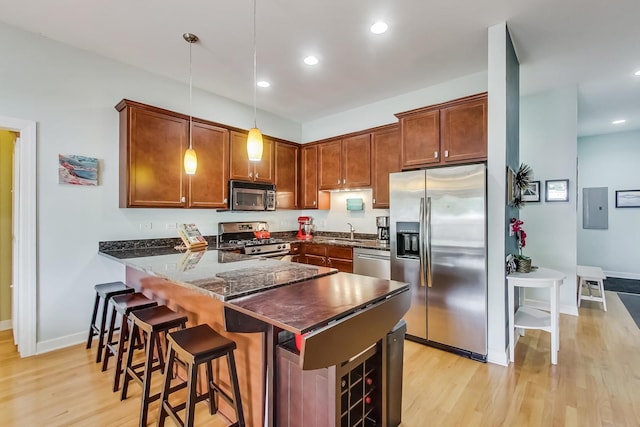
610 161
382 113
548 143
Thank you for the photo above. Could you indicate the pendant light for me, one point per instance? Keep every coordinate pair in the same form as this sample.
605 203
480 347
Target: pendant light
254 139
190 158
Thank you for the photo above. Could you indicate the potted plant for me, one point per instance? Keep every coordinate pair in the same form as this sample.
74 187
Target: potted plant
523 263
521 181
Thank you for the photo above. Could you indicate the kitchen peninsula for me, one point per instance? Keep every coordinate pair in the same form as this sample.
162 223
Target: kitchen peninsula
343 320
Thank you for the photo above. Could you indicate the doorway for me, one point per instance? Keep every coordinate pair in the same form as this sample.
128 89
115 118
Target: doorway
24 265
7 141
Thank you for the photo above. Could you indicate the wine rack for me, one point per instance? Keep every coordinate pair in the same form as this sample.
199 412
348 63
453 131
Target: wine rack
360 392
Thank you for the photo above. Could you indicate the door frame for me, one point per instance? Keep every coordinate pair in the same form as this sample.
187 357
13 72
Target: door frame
24 276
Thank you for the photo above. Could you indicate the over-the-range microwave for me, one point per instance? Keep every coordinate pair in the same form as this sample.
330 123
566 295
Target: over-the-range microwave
251 196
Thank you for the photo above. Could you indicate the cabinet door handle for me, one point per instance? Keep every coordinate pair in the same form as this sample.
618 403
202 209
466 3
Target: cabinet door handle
446 153
225 200
183 199
344 181
314 203
373 200
256 175
435 154
338 181
250 174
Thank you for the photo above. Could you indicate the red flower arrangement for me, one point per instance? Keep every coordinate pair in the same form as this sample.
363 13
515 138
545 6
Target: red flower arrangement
521 236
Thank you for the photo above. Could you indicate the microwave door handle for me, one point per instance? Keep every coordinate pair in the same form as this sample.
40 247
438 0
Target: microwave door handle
428 239
421 248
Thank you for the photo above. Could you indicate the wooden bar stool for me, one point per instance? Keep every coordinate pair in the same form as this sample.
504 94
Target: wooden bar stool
104 293
122 305
153 322
192 347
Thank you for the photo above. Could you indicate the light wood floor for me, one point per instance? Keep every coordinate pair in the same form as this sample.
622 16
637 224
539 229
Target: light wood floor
596 382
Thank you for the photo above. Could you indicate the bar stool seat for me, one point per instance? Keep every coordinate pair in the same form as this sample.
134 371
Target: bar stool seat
104 293
154 322
192 347
122 305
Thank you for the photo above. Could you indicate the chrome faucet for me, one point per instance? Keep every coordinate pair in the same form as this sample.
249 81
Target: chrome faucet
351 230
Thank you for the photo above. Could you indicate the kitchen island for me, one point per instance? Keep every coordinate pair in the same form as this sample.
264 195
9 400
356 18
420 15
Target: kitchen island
261 304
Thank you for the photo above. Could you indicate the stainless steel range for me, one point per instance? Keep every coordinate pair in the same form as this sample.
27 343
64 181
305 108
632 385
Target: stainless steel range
253 238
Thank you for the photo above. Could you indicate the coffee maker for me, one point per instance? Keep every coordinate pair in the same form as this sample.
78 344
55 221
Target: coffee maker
382 222
305 228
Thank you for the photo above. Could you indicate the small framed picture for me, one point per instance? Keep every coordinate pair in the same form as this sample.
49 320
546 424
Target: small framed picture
510 185
628 199
532 192
556 190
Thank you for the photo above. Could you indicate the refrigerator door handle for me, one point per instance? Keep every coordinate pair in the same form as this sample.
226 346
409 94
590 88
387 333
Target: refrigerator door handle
421 246
428 240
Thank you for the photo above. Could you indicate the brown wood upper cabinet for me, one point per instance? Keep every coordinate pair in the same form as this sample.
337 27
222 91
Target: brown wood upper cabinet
286 175
345 163
245 170
385 159
152 146
310 197
452 132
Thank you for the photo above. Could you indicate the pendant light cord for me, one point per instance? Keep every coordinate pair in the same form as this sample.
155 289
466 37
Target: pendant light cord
255 65
190 98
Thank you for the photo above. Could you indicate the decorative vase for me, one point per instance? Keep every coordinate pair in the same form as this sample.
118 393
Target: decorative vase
523 265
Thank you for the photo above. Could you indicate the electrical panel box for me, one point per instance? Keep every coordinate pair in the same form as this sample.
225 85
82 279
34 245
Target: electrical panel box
595 208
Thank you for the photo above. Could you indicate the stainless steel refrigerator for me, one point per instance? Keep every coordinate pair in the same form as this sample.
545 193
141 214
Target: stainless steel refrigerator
438 245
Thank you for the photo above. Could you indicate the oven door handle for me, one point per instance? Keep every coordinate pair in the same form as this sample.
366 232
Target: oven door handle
270 254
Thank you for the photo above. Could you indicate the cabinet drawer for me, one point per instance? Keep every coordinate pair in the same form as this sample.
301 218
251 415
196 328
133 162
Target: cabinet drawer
312 249
314 260
345 252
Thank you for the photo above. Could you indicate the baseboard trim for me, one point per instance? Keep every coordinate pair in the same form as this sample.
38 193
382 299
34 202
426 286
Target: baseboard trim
498 357
62 342
5 325
622 275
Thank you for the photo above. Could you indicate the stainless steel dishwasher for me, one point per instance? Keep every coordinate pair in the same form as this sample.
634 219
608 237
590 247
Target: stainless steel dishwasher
372 262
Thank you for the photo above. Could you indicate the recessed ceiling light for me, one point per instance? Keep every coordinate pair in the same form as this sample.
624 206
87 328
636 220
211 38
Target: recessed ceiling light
263 83
637 73
311 60
379 28
618 122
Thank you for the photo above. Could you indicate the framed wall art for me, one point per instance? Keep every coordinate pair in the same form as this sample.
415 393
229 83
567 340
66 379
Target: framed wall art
627 198
510 185
532 192
77 170
556 190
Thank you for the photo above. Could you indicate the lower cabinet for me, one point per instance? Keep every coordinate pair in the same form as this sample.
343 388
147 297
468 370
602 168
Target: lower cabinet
294 251
308 398
339 257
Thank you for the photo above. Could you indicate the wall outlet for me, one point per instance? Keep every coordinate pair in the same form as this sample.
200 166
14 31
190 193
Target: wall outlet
146 226
171 226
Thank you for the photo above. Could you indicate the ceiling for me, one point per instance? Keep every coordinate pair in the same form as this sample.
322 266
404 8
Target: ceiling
588 43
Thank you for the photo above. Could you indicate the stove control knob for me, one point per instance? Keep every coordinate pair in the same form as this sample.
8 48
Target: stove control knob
253 250
279 247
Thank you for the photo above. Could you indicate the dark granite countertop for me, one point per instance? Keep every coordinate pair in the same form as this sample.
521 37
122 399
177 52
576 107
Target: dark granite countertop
221 274
343 241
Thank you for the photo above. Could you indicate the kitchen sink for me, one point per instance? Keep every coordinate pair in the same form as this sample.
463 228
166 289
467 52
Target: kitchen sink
343 241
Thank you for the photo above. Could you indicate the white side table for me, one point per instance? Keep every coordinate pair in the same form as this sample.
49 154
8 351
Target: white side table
533 318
